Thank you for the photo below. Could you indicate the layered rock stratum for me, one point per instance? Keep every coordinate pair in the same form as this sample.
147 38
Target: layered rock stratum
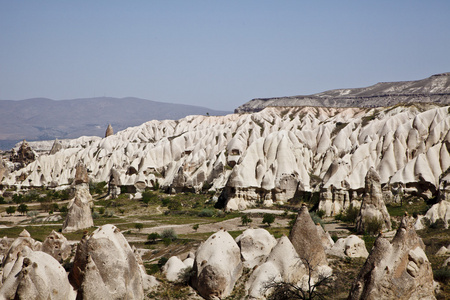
265 157
434 89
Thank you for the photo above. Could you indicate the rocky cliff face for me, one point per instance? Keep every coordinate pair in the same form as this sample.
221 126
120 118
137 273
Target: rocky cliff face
434 89
267 156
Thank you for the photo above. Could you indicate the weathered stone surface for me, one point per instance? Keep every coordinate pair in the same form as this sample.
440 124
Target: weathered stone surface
282 264
57 146
396 270
306 240
109 131
351 246
25 155
79 215
255 245
439 211
105 267
81 174
57 246
37 275
17 247
217 266
373 206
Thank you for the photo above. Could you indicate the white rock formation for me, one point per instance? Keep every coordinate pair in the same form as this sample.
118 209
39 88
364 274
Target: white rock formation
105 267
57 246
396 270
265 156
372 206
217 266
37 275
306 239
24 240
439 211
351 246
173 267
255 245
79 215
282 264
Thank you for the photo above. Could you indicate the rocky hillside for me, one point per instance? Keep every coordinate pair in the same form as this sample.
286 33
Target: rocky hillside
43 119
266 156
434 89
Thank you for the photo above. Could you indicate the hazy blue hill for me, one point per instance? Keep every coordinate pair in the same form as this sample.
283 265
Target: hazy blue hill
43 119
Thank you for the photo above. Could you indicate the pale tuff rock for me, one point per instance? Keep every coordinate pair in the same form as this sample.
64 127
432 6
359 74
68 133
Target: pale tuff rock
105 267
439 211
109 131
373 206
396 270
81 174
325 238
25 155
37 275
4 170
267 156
217 266
57 246
24 241
306 239
334 200
282 264
174 266
255 245
443 251
148 281
57 146
79 215
351 246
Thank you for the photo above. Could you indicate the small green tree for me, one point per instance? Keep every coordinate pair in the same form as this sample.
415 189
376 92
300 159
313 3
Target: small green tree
268 219
245 220
23 208
138 226
149 197
10 210
195 227
152 237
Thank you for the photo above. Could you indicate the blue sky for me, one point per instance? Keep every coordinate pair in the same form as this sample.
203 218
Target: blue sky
218 54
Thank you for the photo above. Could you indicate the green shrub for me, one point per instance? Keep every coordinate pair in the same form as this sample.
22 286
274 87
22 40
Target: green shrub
206 212
32 214
184 276
95 215
195 227
138 226
2 200
101 210
109 213
320 213
316 219
162 261
174 205
10 210
245 220
169 234
349 215
152 237
373 225
268 219
23 208
149 197
442 275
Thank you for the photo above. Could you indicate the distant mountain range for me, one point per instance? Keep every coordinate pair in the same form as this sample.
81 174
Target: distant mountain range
435 89
44 119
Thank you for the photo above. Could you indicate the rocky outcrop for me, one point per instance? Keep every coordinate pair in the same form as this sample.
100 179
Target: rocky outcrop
57 146
283 264
396 270
306 239
24 156
432 89
266 157
109 131
255 245
174 266
105 267
79 215
439 211
81 174
217 266
37 275
23 241
4 170
57 246
351 246
373 207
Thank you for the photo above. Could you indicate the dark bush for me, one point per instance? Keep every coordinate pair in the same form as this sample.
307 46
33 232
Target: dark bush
206 212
